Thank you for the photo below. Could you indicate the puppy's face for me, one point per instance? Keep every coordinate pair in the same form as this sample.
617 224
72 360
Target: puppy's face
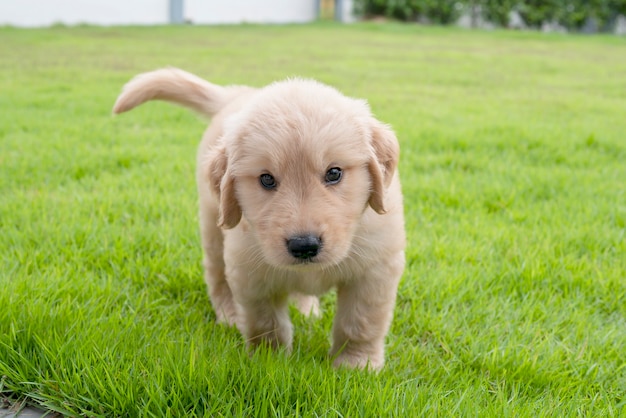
301 163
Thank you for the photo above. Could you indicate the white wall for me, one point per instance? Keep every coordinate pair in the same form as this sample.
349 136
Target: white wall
250 11
347 11
153 12
72 12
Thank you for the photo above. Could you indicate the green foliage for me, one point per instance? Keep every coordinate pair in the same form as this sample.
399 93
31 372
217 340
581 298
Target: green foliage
535 12
497 11
512 163
618 6
442 12
572 14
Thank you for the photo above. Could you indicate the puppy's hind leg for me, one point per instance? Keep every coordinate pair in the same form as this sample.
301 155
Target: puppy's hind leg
308 305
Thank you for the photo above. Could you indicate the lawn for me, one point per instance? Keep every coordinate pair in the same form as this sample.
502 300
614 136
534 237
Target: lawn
513 302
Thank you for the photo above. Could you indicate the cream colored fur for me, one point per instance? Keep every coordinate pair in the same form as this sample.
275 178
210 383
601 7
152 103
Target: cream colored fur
296 131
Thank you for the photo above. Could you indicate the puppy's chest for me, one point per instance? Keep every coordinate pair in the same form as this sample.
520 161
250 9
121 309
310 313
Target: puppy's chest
315 282
310 283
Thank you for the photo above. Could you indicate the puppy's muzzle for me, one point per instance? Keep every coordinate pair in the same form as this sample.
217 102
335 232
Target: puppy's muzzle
304 247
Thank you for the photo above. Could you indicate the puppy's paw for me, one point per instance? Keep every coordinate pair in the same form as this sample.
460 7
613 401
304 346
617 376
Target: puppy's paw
272 340
358 361
224 319
226 313
306 304
354 355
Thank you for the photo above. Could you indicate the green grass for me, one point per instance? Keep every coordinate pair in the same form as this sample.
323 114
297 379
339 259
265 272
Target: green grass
513 164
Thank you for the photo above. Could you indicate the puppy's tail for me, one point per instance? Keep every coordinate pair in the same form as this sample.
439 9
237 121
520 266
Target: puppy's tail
176 86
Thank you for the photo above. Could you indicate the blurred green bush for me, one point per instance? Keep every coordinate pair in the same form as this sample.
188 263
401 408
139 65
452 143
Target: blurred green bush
572 14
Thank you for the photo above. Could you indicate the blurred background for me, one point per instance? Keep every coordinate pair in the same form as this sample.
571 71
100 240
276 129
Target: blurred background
154 12
587 16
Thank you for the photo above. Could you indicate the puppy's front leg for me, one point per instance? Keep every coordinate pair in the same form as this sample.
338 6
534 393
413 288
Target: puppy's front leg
364 312
266 322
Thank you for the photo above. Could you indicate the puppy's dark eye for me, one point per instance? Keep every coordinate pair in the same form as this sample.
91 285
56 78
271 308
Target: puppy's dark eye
333 176
267 181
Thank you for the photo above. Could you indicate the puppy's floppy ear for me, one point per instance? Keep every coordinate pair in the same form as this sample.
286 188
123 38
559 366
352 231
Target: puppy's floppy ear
223 184
383 163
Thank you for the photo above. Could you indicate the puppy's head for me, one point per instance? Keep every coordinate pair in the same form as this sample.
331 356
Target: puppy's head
301 163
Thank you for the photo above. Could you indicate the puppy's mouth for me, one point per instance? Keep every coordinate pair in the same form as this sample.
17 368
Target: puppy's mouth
305 265
305 261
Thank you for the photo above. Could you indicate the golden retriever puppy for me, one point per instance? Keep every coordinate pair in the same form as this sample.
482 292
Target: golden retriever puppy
299 193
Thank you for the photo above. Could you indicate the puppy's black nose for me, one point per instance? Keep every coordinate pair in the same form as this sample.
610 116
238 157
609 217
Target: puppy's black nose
304 246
